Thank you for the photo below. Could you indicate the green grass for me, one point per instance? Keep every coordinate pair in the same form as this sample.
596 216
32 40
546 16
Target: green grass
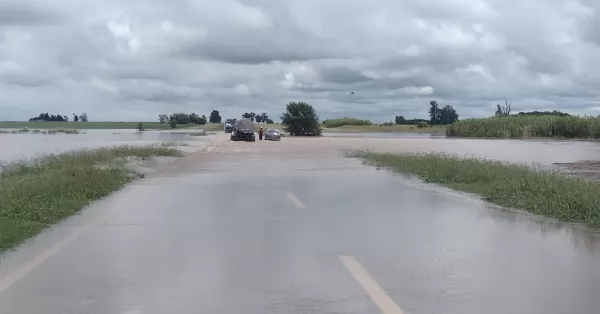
335 123
35 194
387 128
89 125
527 127
553 194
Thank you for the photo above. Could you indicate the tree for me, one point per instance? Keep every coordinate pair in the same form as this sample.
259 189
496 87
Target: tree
214 117
172 122
250 115
83 117
49 118
163 118
193 118
300 119
504 110
184 118
269 121
448 115
264 117
258 119
400 120
434 113
75 118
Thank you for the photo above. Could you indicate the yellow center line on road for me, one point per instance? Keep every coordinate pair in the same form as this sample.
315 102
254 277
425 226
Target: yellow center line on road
295 200
375 292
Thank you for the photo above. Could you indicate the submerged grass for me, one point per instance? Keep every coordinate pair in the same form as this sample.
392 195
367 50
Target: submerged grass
553 194
35 194
173 143
151 125
39 131
521 126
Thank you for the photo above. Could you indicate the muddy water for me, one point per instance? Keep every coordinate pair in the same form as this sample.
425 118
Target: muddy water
17 146
544 152
204 237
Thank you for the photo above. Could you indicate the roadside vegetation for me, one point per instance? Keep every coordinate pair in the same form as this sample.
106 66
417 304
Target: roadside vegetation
554 194
528 126
35 194
532 124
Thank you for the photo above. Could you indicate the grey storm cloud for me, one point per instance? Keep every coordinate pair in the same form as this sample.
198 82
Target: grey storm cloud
131 60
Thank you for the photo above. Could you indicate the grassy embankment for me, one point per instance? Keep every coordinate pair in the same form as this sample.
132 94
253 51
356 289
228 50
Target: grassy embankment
527 127
359 125
553 194
38 193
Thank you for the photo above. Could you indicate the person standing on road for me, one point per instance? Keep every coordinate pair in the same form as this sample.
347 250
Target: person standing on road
260 133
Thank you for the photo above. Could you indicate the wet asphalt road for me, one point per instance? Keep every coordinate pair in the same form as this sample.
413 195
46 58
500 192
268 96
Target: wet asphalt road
298 232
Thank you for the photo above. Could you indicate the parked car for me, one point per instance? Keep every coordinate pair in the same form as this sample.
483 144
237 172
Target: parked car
273 135
228 127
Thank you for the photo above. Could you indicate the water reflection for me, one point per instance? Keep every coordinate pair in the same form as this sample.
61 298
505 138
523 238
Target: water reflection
581 238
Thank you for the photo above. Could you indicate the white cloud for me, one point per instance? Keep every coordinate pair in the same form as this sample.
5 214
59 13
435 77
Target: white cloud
139 59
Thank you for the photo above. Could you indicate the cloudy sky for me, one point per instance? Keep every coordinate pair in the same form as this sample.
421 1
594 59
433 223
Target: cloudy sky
131 60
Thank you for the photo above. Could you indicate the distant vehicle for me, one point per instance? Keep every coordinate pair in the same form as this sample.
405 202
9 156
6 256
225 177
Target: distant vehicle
243 129
228 127
273 135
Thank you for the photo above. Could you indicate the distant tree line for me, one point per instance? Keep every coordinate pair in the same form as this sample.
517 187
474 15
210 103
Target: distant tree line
182 118
506 109
59 118
214 117
544 113
437 116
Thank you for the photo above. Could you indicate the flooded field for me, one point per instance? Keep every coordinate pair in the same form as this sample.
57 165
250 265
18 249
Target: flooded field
27 145
572 155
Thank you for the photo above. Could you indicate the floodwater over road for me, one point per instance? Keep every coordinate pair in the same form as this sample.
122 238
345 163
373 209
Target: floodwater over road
27 145
527 151
291 227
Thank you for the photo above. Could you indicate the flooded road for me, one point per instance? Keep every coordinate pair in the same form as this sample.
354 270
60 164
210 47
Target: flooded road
292 227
